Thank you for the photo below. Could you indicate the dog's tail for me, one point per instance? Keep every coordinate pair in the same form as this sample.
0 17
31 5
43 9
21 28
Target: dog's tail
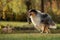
53 26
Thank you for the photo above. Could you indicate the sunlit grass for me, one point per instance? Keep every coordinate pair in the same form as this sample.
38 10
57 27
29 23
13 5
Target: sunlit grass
58 25
27 36
25 25
30 36
13 23
4 23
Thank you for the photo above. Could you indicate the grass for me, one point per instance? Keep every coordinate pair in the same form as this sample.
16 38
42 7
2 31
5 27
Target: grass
27 36
4 23
30 36
24 25
18 24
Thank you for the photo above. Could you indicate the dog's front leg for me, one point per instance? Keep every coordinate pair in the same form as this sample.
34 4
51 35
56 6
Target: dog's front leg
37 28
40 28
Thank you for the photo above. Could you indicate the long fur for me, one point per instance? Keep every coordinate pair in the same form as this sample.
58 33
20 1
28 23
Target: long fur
42 21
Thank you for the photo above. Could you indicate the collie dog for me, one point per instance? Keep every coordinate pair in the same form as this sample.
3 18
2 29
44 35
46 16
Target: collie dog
41 21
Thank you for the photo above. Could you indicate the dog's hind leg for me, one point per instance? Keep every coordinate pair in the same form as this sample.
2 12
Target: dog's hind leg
46 29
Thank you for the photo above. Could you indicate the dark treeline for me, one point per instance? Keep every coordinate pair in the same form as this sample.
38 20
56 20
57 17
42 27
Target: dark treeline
16 10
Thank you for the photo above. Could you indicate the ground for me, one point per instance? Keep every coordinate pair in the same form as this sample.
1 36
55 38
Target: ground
29 36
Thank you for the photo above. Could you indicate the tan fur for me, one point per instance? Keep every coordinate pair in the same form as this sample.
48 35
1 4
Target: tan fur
43 27
33 14
46 29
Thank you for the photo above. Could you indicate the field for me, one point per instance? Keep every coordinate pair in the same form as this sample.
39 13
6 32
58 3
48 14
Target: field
13 23
28 36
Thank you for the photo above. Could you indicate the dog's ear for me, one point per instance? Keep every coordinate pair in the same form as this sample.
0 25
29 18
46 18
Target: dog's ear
33 10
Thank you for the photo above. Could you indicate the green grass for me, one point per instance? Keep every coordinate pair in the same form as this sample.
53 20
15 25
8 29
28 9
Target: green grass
30 36
27 36
4 23
13 23
58 25
25 24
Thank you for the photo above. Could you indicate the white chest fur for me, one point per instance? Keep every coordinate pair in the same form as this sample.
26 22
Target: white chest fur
35 20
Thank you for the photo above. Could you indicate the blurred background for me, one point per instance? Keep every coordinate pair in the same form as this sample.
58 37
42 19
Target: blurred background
14 16
14 19
16 10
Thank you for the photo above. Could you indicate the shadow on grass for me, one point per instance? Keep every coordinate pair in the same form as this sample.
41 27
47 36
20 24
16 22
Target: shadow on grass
33 30
28 30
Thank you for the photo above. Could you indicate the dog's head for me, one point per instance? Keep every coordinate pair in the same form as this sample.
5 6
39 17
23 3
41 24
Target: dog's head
32 12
